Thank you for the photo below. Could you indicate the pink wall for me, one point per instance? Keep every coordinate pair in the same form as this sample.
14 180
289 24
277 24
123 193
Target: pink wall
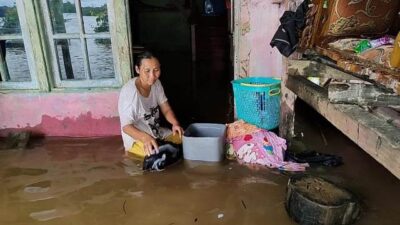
61 114
258 22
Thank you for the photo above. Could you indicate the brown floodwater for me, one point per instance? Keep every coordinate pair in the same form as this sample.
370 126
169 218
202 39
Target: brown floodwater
92 181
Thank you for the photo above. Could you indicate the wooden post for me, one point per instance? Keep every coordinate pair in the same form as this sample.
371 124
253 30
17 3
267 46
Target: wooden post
361 94
4 75
288 99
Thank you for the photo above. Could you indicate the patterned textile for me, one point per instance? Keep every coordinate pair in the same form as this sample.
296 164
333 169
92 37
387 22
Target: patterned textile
257 146
240 128
379 55
360 17
345 44
372 63
312 25
329 20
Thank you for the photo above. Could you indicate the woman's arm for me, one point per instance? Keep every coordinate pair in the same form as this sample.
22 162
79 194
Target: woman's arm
150 144
170 117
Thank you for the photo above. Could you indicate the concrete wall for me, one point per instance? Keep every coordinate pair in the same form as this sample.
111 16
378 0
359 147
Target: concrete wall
61 114
256 22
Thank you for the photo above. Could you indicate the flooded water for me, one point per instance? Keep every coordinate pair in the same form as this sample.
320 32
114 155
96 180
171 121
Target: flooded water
92 181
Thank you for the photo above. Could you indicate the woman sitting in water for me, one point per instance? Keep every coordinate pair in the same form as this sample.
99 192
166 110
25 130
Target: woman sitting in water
140 101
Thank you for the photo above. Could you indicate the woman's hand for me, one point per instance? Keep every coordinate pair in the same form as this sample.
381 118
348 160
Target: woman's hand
150 144
176 129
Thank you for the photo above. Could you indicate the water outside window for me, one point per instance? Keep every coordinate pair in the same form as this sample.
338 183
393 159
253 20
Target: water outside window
16 61
72 64
100 58
69 51
96 10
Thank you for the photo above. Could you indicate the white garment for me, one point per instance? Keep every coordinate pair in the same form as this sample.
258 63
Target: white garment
142 112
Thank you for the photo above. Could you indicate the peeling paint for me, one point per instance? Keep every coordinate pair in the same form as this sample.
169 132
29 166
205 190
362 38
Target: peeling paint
61 114
245 28
82 126
258 22
244 66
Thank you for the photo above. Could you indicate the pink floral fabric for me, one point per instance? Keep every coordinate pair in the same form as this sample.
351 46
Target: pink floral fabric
260 147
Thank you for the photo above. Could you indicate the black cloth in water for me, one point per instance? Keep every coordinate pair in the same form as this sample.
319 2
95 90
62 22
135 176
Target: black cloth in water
168 154
313 157
287 35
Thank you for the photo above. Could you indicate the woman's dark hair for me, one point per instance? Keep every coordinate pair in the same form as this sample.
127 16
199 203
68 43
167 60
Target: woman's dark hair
144 55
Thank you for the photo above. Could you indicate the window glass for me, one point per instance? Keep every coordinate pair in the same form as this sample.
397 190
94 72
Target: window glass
16 61
95 16
9 21
100 58
70 59
63 16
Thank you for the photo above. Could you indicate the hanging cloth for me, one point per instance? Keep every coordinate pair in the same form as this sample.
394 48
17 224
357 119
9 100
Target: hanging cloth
287 35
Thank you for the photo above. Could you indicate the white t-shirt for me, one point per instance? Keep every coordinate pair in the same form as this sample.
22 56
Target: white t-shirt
141 112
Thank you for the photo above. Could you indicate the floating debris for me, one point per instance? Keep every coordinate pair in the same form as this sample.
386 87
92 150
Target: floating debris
244 205
123 207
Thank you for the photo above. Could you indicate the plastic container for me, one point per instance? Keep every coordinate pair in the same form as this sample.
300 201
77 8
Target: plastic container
257 101
204 142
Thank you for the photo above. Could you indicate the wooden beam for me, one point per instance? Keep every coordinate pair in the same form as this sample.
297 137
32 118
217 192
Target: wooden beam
361 94
119 21
389 114
310 68
373 134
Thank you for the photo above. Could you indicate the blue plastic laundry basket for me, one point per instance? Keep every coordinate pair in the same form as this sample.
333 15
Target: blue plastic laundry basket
257 101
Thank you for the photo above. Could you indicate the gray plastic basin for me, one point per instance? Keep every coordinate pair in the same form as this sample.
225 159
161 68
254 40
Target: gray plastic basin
204 142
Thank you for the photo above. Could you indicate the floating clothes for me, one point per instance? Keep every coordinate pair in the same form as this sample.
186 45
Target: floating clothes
314 158
167 155
287 35
298 152
257 146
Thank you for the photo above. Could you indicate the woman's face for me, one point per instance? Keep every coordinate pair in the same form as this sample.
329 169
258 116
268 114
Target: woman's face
149 71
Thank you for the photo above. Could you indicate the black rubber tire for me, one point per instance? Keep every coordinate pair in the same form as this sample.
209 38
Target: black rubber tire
309 208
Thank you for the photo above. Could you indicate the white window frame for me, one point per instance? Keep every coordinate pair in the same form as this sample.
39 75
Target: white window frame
52 37
23 17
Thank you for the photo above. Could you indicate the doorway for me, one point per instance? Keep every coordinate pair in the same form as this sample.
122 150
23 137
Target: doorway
193 49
